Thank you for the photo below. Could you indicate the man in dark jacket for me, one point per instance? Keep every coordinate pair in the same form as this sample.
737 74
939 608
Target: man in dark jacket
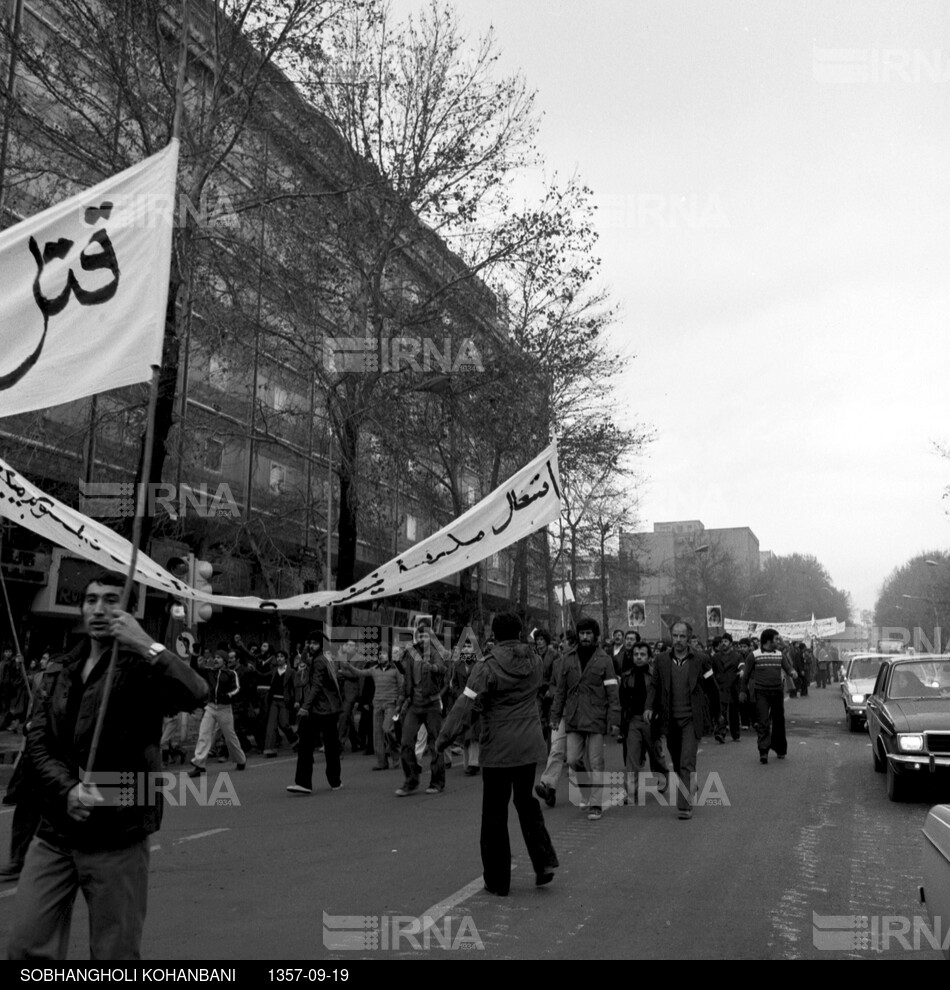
83 841
588 698
506 687
424 687
726 664
319 717
682 677
280 704
636 680
225 686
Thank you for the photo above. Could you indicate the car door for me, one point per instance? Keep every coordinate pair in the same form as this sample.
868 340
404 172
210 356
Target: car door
874 706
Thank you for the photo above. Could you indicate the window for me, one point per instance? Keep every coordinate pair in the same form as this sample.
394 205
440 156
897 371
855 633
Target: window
214 455
278 478
218 372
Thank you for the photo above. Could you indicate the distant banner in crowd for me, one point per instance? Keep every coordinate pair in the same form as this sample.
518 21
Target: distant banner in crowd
806 629
636 613
85 289
526 502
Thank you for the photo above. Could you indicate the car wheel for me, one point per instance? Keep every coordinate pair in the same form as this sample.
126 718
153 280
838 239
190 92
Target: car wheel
878 762
854 722
897 784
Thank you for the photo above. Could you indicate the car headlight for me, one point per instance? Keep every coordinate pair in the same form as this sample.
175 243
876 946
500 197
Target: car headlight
910 742
858 699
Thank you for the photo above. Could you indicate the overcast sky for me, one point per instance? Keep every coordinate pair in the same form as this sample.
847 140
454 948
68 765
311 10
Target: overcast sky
772 182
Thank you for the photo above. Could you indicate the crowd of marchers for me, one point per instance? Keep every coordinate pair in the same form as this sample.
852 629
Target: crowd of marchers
514 703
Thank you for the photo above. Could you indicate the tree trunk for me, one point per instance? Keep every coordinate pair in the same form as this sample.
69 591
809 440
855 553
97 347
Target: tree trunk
349 504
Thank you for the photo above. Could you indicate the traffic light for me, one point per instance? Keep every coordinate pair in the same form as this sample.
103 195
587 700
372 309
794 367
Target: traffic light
199 575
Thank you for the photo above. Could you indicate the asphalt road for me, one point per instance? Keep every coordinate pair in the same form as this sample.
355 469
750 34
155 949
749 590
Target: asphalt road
803 858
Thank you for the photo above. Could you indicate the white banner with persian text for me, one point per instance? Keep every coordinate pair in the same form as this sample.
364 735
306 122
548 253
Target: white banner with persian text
527 501
85 289
806 629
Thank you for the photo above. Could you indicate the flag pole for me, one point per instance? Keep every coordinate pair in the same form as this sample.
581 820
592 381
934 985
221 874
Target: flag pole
130 577
147 447
16 639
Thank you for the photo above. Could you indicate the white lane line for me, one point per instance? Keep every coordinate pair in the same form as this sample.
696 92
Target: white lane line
7 893
7 811
200 835
438 911
271 763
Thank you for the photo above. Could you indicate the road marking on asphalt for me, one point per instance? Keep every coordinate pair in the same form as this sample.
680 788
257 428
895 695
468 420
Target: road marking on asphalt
199 835
438 911
7 811
7 893
271 763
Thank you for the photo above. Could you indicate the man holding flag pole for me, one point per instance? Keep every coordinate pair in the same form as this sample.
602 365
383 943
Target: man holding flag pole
87 291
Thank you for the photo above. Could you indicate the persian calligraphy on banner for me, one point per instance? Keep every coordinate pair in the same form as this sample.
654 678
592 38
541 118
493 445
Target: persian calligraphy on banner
527 501
85 289
805 629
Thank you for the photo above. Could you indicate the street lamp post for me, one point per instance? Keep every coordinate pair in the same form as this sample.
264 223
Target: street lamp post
933 602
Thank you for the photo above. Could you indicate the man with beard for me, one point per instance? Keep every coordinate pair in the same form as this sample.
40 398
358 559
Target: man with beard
588 697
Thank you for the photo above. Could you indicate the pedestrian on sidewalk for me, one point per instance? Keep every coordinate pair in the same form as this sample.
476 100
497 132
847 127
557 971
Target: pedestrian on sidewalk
505 687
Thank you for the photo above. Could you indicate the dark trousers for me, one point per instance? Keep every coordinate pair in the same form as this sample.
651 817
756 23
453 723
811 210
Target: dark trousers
730 712
498 783
346 726
278 718
431 718
21 791
313 727
770 706
683 745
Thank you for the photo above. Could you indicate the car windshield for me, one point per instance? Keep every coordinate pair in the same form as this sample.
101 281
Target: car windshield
865 669
922 679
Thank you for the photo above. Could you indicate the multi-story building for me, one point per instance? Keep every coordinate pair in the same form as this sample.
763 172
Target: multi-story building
259 348
679 565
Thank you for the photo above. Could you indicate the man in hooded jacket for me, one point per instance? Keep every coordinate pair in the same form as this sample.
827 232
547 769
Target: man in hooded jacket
506 686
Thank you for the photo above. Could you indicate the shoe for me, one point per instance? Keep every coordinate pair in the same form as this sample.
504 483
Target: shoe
763 758
222 759
595 815
721 740
584 805
781 756
543 878
339 787
405 791
269 756
299 789
497 893
380 768
240 766
684 816
196 771
432 789
471 772
547 794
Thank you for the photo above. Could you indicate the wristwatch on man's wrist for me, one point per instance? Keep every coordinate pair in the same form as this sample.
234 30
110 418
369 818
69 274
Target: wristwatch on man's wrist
154 650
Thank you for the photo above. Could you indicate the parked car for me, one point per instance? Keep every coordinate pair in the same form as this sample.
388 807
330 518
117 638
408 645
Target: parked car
935 890
860 673
908 716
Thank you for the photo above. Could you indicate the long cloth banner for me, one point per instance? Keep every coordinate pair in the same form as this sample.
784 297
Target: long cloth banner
527 501
805 629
